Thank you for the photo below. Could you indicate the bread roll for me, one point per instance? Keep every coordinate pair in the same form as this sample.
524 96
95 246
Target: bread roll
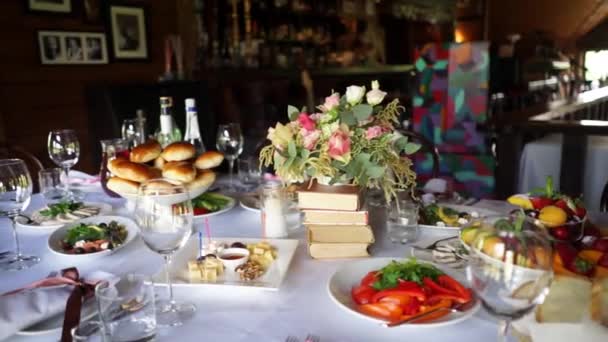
162 186
569 300
599 301
122 186
132 171
209 160
178 151
179 171
204 178
159 162
145 152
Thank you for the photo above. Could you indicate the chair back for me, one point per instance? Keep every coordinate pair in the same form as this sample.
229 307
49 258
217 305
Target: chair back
33 164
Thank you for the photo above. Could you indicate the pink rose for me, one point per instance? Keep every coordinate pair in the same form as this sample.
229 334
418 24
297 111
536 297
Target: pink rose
310 138
331 102
306 122
339 145
316 117
373 132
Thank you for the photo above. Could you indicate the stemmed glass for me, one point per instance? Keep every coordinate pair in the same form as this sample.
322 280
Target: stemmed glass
230 143
64 151
15 196
510 267
164 214
130 131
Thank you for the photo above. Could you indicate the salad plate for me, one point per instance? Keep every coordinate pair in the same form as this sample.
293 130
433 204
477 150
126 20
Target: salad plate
349 275
210 204
271 280
454 209
62 209
93 237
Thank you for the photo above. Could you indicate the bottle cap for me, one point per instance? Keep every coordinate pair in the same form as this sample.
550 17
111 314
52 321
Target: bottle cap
190 103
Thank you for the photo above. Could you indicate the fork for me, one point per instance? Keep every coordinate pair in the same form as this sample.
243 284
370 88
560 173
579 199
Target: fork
292 339
312 338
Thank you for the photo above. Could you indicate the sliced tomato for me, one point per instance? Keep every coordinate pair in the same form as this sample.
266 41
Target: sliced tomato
370 278
452 284
387 311
416 293
199 211
362 294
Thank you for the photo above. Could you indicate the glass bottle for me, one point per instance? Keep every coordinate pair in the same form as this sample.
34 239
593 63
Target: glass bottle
110 149
141 126
193 132
274 210
168 132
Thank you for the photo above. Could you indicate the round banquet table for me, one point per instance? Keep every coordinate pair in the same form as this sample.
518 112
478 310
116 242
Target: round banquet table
301 306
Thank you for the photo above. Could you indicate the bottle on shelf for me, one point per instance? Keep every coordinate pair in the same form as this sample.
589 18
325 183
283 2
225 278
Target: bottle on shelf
168 132
193 132
141 127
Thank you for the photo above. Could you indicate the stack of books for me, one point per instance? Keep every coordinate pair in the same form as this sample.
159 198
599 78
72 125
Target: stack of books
337 225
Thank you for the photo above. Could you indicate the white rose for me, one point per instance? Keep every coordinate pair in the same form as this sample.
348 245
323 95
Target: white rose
375 84
375 96
354 94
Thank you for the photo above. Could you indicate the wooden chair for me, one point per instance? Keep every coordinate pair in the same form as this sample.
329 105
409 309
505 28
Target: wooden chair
427 146
33 164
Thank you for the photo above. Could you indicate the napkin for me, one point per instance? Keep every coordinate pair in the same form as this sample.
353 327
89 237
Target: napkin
38 301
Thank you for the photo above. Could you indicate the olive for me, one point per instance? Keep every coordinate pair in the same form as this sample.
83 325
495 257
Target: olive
238 245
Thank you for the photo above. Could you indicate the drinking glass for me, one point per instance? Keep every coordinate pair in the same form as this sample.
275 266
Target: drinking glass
164 214
510 267
402 225
230 143
126 311
249 171
64 151
130 131
15 196
50 184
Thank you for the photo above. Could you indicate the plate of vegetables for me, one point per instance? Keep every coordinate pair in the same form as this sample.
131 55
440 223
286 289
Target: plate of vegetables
388 290
210 204
95 236
55 215
450 216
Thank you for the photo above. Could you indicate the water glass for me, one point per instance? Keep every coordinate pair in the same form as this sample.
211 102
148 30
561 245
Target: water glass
126 311
50 184
230 142
249 171
402 225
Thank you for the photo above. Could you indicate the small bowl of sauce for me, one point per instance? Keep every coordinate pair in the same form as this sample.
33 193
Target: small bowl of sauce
234 257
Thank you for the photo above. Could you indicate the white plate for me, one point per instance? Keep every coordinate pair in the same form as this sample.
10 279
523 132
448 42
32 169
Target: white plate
227 207
54 324
460 208
54 243
351 273
169 199
104 210
271 280
250 202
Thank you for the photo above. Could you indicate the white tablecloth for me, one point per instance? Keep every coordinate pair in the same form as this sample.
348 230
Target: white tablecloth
542 158
301 306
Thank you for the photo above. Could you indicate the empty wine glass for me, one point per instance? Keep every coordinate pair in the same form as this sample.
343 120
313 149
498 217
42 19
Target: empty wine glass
64 150
15 196
230 143
130 131
510 268
164 214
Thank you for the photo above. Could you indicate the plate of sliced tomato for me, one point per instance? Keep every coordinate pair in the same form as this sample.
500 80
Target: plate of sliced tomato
388 290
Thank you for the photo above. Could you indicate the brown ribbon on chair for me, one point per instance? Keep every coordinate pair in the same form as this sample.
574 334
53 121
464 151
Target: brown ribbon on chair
82 290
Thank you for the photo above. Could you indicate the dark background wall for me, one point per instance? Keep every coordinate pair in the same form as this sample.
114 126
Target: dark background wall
35 98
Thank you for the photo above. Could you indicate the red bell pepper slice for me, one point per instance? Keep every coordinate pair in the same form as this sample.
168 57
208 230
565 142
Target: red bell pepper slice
362 294
453 285
416 293
436 288
406 284
369 278
386 311
451 297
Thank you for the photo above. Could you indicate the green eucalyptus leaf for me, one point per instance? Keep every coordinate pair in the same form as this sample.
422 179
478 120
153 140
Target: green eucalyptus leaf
288 162
411 148
400 144
304 153
348 118
291 149
362 111
375 171
292 112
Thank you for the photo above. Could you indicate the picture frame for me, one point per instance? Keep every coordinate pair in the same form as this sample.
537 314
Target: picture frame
49 6
128 31
72 47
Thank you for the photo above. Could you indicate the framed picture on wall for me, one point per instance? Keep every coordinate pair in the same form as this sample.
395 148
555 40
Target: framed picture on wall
69 47
128 31
50 6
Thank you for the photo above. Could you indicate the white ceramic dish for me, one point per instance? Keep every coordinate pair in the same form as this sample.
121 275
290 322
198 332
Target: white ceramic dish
228 206
250 202
350 274
55 238
169 199
104 210
54 324
460 208
271 280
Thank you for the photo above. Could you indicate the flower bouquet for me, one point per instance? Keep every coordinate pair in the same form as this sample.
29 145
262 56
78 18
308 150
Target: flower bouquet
351 140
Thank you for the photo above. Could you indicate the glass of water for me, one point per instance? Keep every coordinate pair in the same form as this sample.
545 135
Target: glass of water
402 222
64 151
50 184
126 311
249 171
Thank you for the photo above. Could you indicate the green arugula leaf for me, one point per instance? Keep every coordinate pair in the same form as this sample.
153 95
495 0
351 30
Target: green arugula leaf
410 270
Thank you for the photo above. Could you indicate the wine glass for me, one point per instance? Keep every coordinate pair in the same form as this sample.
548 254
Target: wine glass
164 214
510 267
64 151
15 196
130 131
230 143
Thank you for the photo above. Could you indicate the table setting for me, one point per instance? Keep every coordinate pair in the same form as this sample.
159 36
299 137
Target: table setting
335 245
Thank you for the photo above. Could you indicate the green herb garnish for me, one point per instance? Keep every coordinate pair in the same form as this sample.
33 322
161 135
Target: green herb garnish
411 270
61 208
429 214
113 232
210 201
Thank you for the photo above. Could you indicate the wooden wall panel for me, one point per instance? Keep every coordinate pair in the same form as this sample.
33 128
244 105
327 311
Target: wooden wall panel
37 98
